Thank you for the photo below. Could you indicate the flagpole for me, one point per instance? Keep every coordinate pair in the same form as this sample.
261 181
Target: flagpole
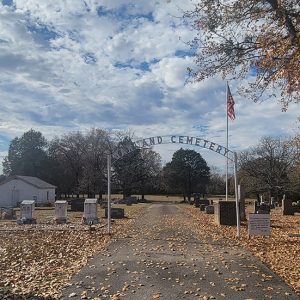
226 141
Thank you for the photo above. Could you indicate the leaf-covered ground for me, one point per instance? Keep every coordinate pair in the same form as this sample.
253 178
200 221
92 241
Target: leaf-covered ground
279 251
162 258
40 259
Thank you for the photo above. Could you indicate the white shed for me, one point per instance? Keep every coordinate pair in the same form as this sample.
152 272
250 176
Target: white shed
17 188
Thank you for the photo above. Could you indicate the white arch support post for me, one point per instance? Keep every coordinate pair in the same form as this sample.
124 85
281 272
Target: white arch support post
108 193
238 225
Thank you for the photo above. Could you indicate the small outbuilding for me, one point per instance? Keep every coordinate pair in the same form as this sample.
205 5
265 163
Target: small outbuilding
17 188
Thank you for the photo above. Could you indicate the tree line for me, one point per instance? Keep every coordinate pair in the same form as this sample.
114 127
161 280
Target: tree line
272 168
76 163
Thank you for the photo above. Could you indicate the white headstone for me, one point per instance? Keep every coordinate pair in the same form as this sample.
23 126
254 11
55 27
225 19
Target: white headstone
27 209
90 211
259 224
61 209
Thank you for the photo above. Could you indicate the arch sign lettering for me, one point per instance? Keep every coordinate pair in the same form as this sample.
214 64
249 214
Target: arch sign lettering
173 139
170 139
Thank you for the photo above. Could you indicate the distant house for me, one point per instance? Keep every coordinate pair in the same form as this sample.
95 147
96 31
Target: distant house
17 188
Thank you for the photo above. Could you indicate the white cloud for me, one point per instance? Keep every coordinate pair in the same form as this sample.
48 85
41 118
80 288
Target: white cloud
69 65
172 71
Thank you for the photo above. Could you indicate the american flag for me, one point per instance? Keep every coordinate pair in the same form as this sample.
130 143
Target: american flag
230 104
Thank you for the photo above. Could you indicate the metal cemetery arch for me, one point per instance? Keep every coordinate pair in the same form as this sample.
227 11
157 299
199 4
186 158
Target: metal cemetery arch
170 139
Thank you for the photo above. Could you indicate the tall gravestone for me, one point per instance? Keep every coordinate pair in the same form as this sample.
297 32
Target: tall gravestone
242 206
225 213
197 199
283 198
27 208
90 215
77 204
61 211
287 207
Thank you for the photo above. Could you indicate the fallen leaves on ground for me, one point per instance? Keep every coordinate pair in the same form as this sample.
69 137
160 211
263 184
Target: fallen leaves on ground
40 259
279 251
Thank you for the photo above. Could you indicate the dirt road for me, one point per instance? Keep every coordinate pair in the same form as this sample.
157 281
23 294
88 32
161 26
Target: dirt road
161 259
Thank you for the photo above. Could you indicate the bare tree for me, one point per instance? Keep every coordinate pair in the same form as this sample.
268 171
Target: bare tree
69 151
133 170
217 182
97 146
151 168
257 39
266 167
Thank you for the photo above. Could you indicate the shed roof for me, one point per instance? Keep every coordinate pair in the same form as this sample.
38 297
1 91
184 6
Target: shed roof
36 182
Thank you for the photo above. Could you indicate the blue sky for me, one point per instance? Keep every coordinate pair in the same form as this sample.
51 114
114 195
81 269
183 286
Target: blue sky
117 64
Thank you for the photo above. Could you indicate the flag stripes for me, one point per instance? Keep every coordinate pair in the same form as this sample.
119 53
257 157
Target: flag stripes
230 104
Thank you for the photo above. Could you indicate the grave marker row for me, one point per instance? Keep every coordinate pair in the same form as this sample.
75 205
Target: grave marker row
90 215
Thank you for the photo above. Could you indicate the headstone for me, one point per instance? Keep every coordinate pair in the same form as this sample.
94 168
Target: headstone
90 215
259 224
272 203
128 200
296 206
115 213
77 204
197 199
287 207
202 207
204 201
209 209
60 208
264 208
27 208
225 213
7 214
242 205
281 201
134 200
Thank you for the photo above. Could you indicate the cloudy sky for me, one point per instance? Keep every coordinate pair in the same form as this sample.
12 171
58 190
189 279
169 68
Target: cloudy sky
117 64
